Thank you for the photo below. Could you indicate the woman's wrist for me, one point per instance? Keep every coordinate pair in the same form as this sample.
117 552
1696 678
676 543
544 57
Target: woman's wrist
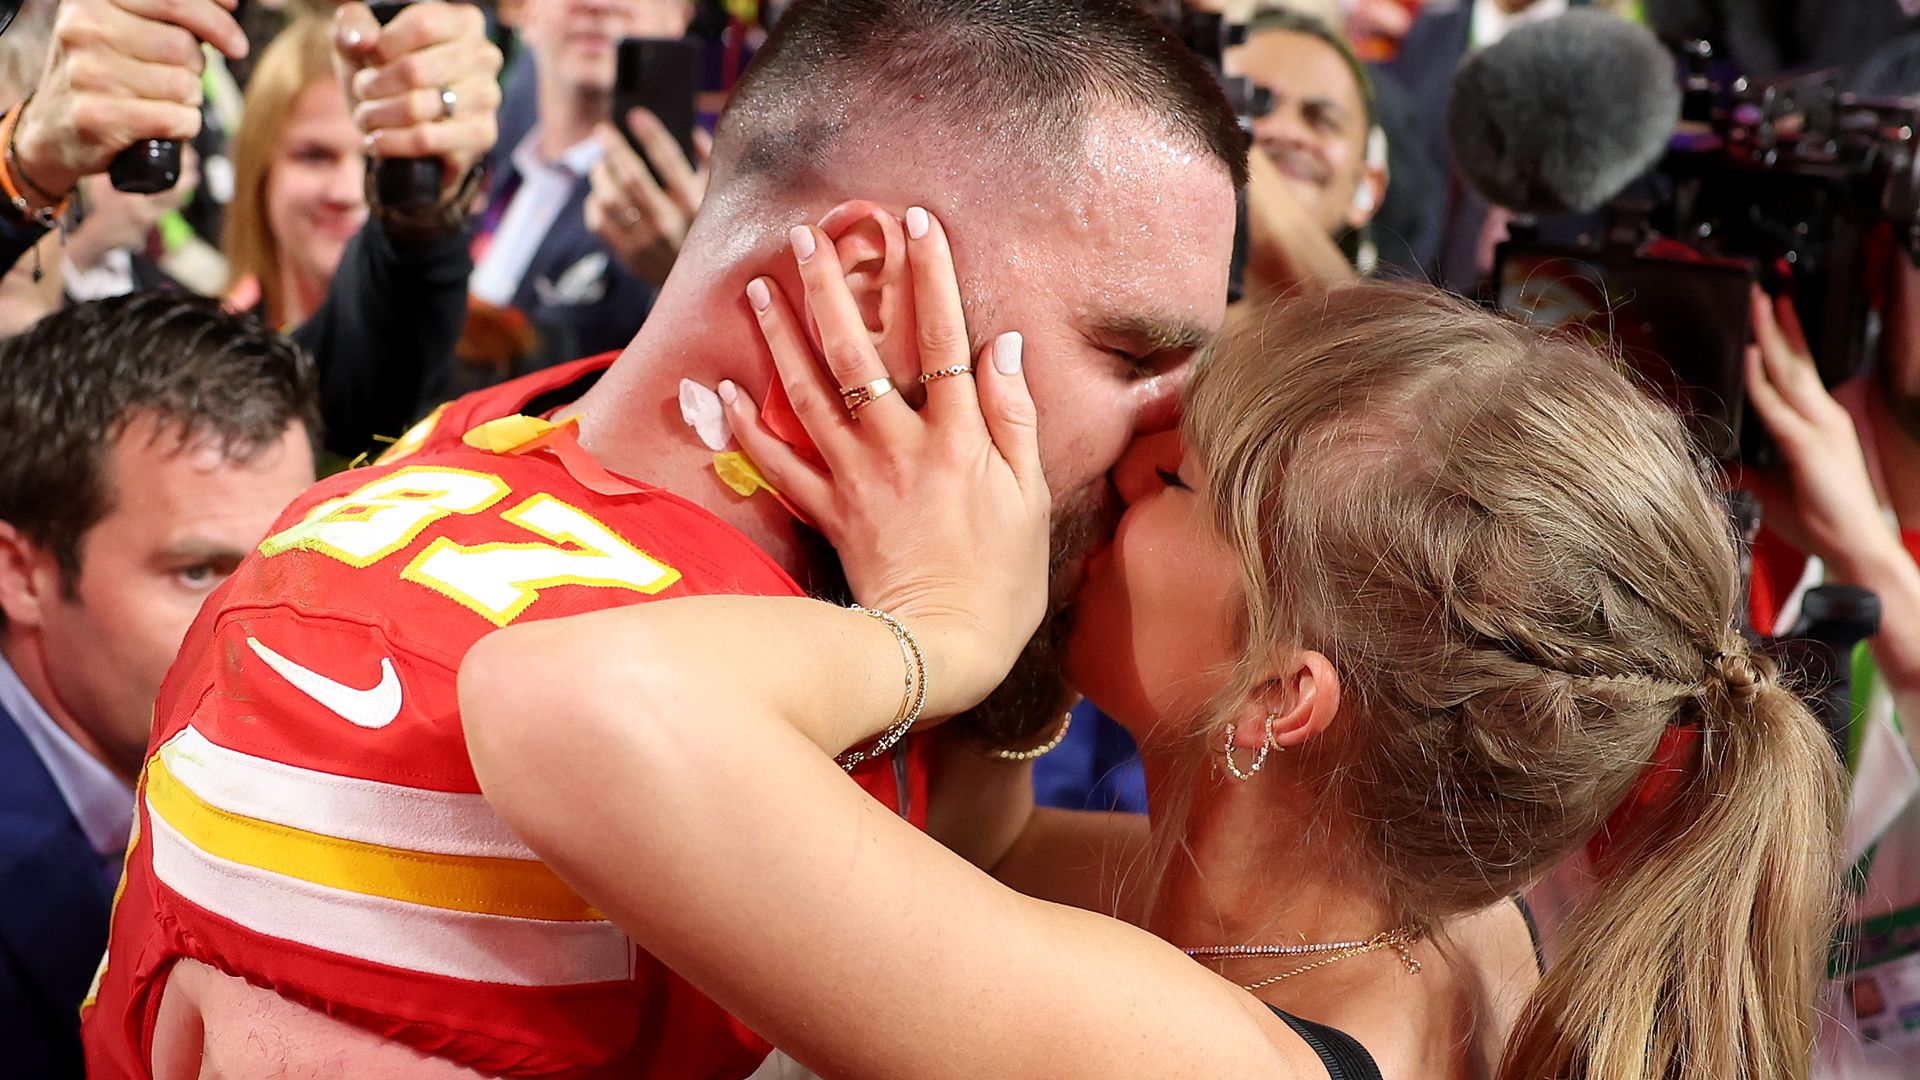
1874 560
962 665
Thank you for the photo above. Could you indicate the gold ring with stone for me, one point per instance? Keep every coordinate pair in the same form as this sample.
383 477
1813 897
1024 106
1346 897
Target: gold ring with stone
859 397
947 373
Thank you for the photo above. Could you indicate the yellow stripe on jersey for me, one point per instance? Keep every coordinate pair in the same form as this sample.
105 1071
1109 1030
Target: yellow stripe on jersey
472 883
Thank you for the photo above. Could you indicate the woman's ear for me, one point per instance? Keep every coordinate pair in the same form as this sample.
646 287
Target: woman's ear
1303 698
871 242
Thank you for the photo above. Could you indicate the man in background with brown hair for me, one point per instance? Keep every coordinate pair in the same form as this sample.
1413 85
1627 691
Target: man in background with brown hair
146 443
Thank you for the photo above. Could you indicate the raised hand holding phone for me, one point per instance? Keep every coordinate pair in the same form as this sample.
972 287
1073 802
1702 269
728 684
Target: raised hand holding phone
423 85
640 203
119 74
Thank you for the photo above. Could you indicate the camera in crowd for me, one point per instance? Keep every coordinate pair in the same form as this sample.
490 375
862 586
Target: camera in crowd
1657 189
1794 184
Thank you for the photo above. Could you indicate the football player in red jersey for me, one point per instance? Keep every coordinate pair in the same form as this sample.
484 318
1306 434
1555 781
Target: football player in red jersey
319 886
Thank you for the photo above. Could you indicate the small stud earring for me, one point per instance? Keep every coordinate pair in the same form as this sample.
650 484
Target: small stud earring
1259 759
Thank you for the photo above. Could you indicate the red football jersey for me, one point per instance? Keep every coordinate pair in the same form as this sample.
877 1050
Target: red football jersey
308 819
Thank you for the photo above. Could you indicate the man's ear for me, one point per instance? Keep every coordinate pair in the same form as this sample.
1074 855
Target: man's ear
29 578
871 242
1302 697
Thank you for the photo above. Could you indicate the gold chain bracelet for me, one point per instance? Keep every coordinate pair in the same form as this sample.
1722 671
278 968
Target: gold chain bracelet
913 697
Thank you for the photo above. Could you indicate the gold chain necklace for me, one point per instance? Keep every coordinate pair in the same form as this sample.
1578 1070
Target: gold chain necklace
1400 940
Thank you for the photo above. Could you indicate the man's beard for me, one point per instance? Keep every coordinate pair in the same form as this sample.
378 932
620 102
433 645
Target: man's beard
1034 694
1031 698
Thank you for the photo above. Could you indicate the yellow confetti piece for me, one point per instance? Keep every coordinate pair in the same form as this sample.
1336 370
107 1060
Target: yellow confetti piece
737 471
507 434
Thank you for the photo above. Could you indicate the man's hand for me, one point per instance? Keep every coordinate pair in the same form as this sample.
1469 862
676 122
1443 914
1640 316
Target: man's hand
642 221
1822 499
119 71
1286 247
395 74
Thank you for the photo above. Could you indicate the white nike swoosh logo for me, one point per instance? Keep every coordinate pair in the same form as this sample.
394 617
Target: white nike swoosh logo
374 707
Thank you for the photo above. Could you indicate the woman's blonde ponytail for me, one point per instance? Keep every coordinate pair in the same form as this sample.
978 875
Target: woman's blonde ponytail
1702 952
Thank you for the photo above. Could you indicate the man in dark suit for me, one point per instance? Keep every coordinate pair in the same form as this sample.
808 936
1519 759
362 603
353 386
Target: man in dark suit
535 251
146 444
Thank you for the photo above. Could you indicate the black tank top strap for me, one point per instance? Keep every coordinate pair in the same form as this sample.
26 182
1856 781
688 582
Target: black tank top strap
1342 1054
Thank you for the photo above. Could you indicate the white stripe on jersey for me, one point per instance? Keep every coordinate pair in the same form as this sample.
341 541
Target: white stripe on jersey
372 812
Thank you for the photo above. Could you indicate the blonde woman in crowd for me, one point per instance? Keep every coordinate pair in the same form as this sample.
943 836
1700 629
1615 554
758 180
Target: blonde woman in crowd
299 178
1398 620
378 294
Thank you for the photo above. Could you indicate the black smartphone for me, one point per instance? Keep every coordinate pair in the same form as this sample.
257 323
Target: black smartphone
405 183
660 75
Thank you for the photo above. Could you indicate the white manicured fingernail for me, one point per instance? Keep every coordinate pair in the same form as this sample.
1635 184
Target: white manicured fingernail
729 393
801 238
758 295
916 222
1006 353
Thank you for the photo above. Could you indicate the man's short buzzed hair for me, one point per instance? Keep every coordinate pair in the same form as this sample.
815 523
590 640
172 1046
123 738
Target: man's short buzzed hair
1020 74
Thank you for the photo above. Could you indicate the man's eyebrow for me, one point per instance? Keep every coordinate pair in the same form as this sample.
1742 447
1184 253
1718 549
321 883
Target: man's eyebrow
1144 334
200 551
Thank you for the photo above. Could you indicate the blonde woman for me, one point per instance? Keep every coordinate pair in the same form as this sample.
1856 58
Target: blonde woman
1398 622
377 295
299 177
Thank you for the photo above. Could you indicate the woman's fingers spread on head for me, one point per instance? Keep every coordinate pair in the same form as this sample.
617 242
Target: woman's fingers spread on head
939 322
810 387
852 362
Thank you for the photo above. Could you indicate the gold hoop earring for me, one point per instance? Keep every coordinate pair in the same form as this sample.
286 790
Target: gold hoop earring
1259 759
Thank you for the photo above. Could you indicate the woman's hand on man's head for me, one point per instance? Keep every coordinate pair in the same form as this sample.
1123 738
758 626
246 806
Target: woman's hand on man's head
939 514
